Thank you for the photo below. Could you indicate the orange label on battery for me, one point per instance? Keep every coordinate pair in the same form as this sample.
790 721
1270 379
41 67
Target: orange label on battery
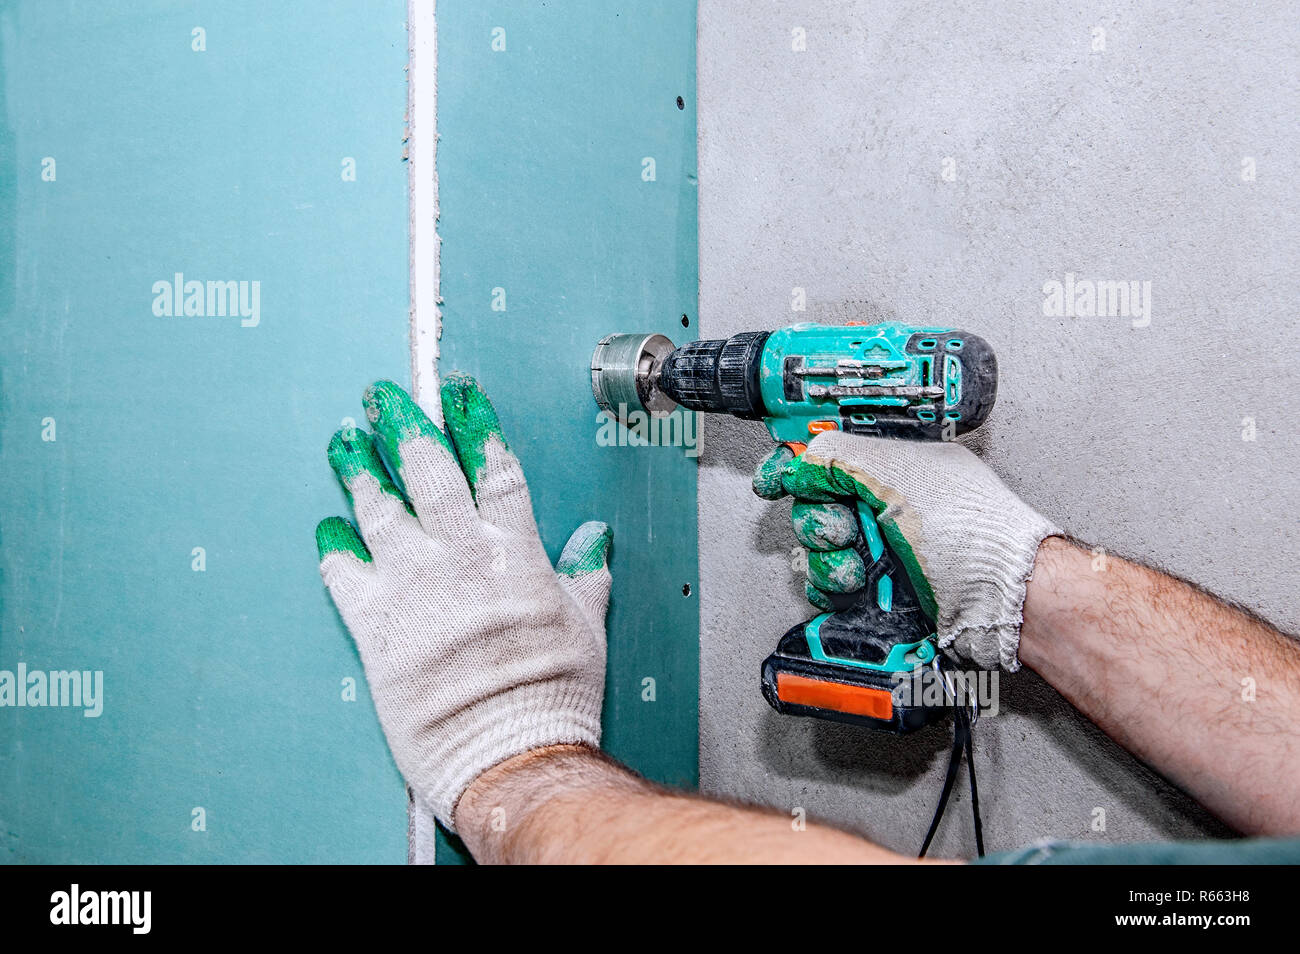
836 696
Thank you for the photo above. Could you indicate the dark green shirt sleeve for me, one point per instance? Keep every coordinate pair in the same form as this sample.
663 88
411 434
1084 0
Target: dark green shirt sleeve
1248 851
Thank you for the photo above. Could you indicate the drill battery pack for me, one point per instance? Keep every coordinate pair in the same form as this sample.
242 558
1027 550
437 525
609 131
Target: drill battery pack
796 683
860 663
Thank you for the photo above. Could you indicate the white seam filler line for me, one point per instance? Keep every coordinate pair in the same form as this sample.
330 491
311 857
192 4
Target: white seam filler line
422 174
425 318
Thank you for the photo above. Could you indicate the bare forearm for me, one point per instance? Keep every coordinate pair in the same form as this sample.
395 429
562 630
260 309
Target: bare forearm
569 804
1168 672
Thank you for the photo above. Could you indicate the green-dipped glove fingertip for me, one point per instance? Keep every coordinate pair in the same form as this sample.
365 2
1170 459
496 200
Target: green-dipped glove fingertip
837 571
587 550
337 535
352 452
396 419
472 422
817 598
807 480
824 526
767 475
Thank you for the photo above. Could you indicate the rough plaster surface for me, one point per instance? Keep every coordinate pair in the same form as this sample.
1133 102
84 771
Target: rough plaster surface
822 170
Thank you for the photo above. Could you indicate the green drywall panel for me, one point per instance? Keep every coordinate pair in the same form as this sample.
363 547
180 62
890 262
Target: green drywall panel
223 688
547 114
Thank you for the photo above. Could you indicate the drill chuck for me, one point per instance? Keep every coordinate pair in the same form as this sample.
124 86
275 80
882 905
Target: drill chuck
719 375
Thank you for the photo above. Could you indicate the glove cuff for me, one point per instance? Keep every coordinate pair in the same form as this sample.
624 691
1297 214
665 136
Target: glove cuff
985 628
481 736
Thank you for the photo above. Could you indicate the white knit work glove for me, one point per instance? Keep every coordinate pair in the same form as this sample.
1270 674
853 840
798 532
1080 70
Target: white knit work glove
475 649
967 542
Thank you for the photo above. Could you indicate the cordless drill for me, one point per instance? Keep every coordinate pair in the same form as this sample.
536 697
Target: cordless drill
884 380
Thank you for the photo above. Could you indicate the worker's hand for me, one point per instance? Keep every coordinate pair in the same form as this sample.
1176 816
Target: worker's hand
475 649
968 543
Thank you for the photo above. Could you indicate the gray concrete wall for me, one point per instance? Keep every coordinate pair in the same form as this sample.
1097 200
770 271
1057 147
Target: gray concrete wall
823 169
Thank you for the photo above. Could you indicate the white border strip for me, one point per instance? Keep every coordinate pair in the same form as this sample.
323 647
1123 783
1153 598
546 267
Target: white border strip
422 173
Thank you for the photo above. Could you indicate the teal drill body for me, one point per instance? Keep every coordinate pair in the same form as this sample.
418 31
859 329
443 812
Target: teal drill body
886 379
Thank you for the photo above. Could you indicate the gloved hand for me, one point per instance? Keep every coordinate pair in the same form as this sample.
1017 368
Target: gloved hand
475 649
967 542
